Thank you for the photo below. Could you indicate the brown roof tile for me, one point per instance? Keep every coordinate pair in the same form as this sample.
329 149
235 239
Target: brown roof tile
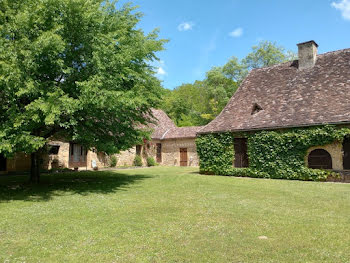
164 128
182 132
283 96
162 124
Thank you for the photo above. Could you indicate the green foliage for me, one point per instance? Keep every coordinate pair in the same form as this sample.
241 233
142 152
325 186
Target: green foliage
151 161
80 69
137 161
272 154
113 161
215 152
266 54
200 102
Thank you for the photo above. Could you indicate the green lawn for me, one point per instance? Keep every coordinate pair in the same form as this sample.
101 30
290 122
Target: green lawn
167 214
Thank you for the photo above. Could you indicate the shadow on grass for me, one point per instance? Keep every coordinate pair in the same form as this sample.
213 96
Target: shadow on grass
82 183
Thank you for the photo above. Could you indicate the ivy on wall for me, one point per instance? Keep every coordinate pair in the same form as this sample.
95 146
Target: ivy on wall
215 152
272 154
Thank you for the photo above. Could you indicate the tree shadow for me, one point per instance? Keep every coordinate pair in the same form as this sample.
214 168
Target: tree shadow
78 183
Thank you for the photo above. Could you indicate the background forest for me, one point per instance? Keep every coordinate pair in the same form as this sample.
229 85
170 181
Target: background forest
194 104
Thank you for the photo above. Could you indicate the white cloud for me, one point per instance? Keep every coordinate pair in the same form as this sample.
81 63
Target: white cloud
237 32
344 7
161 71
185 26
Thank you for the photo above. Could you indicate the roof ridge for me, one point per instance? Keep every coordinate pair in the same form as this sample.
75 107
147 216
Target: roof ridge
291 61
289 97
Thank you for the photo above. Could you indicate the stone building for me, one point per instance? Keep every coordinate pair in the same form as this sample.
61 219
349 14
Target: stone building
169 145
311 91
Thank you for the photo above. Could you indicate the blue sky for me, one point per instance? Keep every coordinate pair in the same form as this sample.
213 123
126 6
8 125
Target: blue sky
206 33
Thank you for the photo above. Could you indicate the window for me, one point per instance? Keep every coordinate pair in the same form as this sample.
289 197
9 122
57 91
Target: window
256 108
54 149
138 149
241 156
320 159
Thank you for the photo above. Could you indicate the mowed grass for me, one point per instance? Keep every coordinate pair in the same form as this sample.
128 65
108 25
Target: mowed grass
168 214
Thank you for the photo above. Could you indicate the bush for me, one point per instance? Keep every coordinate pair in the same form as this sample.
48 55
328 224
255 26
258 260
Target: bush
113 161
138 161
151 161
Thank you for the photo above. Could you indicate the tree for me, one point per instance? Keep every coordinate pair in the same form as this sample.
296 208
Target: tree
74 68
201 102
184 104
219 89
235 70
266 54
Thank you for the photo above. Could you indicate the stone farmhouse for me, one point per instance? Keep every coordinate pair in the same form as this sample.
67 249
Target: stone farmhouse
169 145
311 91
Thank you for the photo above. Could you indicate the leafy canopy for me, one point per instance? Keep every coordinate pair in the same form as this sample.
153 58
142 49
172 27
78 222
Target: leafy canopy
74 68
202 101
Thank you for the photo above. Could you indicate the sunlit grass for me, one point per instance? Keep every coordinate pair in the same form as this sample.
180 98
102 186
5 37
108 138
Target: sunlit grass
168 214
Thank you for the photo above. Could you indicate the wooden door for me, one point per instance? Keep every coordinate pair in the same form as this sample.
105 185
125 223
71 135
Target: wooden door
320 159
183 156
346 157
241 156
159 152
3 167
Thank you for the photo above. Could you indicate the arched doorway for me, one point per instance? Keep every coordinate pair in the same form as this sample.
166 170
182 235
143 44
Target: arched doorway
320 159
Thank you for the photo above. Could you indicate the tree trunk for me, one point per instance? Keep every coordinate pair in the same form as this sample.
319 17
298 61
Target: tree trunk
35 168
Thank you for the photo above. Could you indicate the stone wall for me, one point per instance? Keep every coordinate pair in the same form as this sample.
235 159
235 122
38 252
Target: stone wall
335 150
171 152
170 156
60 160
101 159
126 158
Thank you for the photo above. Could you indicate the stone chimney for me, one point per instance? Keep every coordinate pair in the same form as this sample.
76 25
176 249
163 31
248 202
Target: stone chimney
307 53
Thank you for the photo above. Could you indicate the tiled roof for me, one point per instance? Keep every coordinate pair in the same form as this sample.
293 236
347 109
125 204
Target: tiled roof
162 124
182 132
282 96
164 128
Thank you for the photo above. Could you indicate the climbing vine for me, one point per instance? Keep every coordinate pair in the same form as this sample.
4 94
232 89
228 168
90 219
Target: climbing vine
272 154
215 152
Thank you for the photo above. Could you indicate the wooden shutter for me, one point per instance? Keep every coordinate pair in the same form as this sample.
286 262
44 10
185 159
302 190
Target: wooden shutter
183 156
320 159
346 157
241 156
159 152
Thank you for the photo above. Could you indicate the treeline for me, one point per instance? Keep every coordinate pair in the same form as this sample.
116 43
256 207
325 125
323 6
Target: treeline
200 102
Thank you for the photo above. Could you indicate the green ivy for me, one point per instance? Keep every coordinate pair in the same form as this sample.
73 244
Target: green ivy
215 152
272 154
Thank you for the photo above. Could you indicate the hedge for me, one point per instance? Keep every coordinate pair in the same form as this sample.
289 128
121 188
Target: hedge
272 154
